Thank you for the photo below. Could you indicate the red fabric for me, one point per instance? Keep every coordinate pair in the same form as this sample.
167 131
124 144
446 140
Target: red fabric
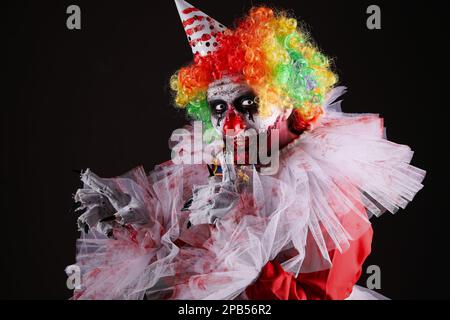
335 283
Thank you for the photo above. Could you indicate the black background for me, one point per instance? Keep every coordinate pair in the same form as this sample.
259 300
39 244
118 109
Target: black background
99 98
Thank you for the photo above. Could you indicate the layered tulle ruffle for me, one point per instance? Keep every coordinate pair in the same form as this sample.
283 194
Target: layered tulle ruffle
329 182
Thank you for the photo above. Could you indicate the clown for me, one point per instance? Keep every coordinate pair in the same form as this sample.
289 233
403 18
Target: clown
229 229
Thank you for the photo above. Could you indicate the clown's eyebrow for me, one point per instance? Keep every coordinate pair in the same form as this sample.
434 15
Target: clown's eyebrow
246 92
216 101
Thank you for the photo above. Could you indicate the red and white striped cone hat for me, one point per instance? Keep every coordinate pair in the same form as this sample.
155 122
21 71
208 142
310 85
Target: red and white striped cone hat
201 29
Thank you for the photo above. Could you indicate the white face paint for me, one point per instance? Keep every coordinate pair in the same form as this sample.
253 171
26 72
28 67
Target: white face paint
230 95
250 138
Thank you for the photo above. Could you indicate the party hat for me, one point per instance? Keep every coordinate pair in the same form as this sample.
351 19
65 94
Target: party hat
201 29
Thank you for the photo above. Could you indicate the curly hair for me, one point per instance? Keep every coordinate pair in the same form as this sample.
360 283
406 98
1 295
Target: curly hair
273 55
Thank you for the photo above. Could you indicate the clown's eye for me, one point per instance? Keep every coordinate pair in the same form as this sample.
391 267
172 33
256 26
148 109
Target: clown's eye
218 107
247 102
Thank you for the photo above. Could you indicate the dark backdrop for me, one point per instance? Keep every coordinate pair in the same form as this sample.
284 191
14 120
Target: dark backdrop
98 97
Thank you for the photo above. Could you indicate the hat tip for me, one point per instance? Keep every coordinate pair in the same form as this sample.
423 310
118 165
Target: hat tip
201 29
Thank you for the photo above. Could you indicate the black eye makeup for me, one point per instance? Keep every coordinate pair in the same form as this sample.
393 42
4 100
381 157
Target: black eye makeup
218 107
246 103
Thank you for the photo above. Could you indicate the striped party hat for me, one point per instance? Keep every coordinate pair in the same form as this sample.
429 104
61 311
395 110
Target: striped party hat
201 29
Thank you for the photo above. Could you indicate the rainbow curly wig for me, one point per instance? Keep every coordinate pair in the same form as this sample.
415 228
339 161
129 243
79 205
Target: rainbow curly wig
274 56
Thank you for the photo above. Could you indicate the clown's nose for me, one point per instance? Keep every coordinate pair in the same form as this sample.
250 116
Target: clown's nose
233 123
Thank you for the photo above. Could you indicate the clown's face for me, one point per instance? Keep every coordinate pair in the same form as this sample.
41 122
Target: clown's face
234 108
235 114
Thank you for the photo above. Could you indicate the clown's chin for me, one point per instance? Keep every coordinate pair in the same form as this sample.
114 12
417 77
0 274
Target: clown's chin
244 149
